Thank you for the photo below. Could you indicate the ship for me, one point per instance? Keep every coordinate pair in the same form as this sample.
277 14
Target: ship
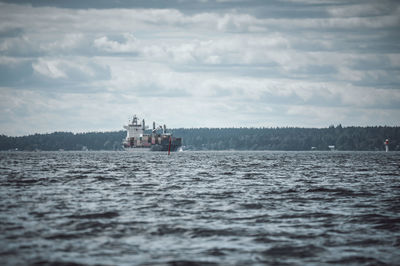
139 137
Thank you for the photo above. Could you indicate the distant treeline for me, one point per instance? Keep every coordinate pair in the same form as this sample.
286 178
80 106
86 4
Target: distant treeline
65 141
288 138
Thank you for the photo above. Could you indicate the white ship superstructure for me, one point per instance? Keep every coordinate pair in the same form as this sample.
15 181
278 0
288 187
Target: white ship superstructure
135 136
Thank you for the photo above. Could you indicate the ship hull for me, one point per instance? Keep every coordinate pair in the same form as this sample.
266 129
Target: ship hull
164 148
155 147
135 149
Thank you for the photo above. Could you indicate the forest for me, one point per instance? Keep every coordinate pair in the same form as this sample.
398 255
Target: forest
279 138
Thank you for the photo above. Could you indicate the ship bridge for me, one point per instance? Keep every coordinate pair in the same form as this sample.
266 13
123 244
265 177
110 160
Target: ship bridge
135 129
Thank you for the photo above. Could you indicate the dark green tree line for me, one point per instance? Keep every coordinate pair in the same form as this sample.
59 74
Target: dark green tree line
286 138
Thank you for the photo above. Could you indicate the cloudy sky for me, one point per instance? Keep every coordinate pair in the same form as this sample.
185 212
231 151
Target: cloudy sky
89 65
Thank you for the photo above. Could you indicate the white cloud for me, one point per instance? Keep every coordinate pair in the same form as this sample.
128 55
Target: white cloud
130 44
49 68
79 70
65 42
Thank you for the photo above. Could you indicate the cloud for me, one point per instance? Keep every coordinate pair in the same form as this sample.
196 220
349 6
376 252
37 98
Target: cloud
65 43
129 46
371 9
51 69
75 69
231 63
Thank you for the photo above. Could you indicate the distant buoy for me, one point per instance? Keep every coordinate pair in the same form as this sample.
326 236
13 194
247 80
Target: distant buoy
386 145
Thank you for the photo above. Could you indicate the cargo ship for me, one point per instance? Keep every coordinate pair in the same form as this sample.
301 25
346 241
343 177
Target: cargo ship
158 140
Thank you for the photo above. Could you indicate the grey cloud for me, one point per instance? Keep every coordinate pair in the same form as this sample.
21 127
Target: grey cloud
19 46
31 45
313 71
369 8
189 6
17 74
38 74
11 32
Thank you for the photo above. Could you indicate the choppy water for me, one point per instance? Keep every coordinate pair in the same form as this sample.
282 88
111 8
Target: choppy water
200 208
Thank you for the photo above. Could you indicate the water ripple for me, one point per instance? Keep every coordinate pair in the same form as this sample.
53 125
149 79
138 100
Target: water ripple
199 208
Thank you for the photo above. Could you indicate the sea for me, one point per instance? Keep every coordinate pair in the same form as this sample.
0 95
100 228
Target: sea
200 208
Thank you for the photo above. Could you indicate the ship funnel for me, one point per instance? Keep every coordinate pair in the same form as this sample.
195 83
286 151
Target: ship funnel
144 126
